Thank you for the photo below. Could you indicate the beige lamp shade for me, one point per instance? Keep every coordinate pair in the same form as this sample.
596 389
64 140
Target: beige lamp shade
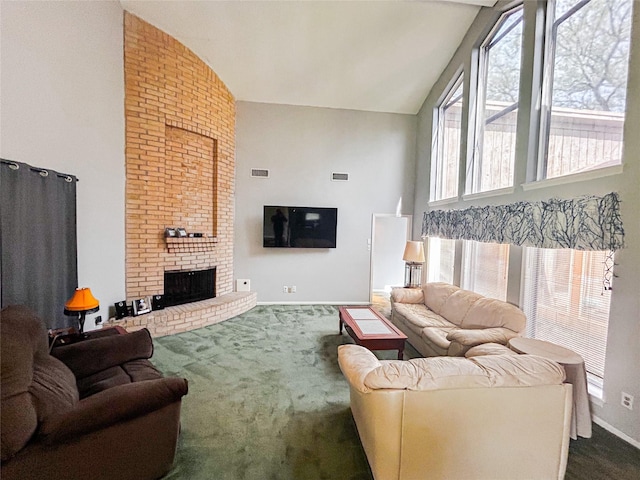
414 252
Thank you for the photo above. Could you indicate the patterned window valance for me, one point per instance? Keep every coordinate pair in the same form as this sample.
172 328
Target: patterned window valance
584 223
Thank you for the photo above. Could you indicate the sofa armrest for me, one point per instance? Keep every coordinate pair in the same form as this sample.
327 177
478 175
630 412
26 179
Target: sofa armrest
117 404
94 355
473 337
356 362
407 295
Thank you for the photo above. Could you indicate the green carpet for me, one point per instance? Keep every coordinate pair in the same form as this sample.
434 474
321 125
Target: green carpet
267 401
266 398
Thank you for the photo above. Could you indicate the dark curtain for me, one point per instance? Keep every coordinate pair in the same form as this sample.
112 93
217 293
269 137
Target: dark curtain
38 251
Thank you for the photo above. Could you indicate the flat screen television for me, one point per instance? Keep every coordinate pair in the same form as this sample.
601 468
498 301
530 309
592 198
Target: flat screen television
299 227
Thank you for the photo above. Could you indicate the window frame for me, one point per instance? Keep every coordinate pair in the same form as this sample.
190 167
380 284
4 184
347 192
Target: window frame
547 76
432 242
473 180
530 277
469 255
438 155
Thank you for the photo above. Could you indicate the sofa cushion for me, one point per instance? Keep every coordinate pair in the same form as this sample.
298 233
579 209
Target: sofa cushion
22 335
477 336
489 349
96 354
141 370
129 372
407 295
436 293
458 372
53 388
489 312
419 316
437 336
458 304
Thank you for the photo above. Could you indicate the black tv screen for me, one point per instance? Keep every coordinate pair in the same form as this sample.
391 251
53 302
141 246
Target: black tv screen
299 227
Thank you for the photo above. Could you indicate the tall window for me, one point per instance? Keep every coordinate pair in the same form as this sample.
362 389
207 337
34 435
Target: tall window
440 261
586 65
566 303
484 268
497 99
447 153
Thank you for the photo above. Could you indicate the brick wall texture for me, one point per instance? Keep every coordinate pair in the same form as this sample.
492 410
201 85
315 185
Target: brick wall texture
180 164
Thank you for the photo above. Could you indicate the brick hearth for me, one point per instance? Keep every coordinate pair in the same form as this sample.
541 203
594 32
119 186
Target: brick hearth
189 316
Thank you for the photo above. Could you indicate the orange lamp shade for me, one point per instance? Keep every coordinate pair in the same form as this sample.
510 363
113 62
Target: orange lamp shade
82 301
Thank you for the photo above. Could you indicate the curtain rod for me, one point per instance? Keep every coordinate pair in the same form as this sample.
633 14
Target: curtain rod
42 171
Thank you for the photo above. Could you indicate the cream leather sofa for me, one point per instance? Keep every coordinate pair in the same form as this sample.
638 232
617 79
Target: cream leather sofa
440 319
487 417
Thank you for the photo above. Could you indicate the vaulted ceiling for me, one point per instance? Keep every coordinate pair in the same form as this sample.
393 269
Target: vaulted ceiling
381 56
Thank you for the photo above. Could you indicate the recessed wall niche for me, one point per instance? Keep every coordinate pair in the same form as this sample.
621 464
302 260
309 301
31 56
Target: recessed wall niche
189 179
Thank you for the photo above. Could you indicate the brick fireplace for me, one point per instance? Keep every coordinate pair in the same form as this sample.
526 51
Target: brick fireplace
180 167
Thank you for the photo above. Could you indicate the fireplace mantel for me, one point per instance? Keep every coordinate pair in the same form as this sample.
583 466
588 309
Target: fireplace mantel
190 244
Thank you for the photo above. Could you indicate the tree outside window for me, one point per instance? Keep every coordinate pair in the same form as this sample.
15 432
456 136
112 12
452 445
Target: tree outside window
586 66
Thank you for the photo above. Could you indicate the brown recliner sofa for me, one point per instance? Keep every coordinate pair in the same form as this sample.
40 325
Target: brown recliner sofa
100 410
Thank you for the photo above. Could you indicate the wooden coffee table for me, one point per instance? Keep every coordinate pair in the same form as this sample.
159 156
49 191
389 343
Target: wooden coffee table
371 330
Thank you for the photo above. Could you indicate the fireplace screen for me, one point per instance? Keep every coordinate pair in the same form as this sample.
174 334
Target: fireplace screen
189 286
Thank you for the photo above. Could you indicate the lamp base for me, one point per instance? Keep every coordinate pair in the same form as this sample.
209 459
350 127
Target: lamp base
81 316
412 275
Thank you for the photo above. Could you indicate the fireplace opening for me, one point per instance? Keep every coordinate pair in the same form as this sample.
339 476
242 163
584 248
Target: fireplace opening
189 286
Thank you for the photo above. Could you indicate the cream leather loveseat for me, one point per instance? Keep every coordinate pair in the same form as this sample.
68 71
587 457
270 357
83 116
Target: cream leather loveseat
487 417
440 319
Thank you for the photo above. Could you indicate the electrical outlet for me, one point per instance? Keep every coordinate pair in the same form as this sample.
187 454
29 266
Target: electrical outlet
285 289
627 400
292 289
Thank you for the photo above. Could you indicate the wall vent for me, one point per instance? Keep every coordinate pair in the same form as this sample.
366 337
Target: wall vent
260 173
339 177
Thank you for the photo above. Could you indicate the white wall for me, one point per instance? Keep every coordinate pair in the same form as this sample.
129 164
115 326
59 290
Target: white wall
623 353
302 146
62 107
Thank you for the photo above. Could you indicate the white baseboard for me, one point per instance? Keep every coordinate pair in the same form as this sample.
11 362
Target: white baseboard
616 432
341 303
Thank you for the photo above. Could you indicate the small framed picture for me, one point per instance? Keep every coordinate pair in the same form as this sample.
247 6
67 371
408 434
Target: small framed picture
181 232
141 305
170 232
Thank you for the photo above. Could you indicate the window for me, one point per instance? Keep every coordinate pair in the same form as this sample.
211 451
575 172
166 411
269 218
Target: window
497 101
586 65
566 303
440 261
484 268
447 154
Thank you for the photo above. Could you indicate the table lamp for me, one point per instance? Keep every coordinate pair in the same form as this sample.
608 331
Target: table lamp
81 303
414 258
